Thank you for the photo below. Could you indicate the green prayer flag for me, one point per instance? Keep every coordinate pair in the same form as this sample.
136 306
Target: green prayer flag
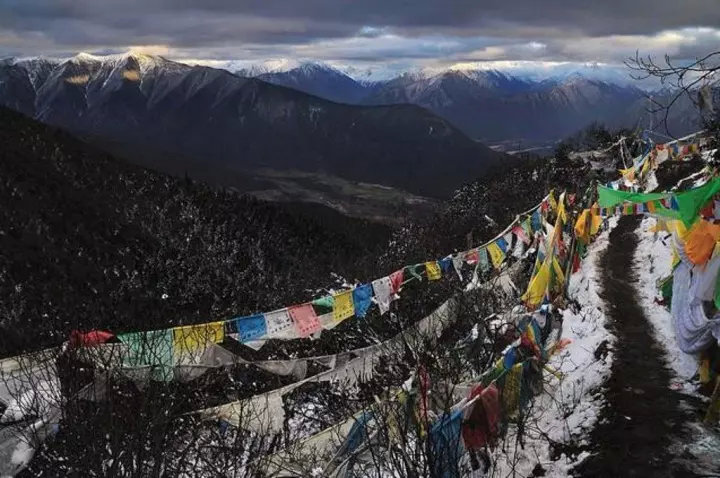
154 348
688 202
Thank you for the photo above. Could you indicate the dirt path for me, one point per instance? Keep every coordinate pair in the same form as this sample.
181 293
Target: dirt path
643 420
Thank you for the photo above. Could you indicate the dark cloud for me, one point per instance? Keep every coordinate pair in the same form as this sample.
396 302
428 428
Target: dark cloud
368 30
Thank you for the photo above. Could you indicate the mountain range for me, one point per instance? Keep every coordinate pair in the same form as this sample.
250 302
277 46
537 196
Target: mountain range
489 105
222 127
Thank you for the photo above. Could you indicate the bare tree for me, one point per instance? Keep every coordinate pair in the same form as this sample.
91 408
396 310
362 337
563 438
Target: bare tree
694 80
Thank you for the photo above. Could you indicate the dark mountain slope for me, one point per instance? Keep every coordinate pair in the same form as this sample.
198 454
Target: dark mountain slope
87 240
237 123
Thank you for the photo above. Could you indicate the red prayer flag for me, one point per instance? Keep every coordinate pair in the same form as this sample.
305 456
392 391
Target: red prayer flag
84 339
396 280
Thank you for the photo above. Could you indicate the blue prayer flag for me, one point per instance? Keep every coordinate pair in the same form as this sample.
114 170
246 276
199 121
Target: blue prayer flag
446 445
362 298
446 264
502 244
249 328
535 221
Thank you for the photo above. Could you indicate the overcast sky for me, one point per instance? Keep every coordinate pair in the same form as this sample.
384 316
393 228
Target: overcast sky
376 35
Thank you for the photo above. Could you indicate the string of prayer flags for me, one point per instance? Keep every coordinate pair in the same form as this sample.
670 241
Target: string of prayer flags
683 205
383 291
306 321
343 306
280 325
362 299
433 271
496 254
249 328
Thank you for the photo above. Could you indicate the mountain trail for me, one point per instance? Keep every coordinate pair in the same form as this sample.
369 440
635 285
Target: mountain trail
644 424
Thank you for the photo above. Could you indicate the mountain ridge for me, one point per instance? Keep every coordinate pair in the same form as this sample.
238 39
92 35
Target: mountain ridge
243 123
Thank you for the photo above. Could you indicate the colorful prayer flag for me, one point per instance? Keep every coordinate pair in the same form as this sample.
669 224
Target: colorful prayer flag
396 279
343 307
248 328
432 268
472 257
362 299
306 321
192 338
502 244
482 261
496 254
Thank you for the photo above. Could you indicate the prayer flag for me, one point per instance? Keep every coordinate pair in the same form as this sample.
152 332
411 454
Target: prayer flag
154 348
457 261
190 339
323 305
343 307
520 233
306 321
280 325
674 204
362 298
535 221
445 264
496 254
482 260
396 279
433 270
527 227
414 272
502 244
248 328
551 199
472 256
383 293
446 445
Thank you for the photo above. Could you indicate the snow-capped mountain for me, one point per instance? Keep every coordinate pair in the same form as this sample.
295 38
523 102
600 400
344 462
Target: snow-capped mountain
162 113
319 80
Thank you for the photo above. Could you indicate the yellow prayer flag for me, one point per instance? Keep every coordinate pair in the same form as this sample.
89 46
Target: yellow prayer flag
538 285
511 390
561 209
582 227
343 306
559 274
191 338
552 201
433 271
496 255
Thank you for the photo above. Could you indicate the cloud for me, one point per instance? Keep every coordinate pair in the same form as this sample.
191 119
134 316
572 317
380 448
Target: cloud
423 33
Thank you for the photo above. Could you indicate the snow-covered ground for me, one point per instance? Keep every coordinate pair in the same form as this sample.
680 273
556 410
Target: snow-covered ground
653 259
568 409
